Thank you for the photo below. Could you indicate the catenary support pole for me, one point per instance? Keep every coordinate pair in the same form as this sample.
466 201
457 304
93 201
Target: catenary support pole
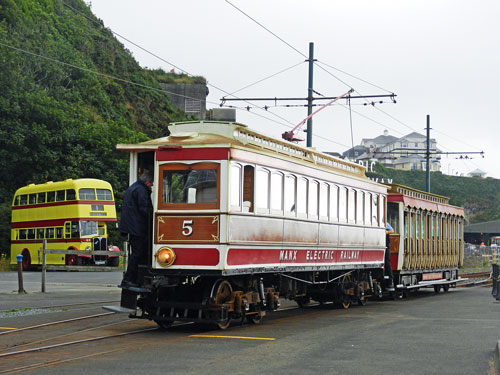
428 157
310 94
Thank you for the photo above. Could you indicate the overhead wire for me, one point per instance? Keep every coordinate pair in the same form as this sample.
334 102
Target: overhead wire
168 62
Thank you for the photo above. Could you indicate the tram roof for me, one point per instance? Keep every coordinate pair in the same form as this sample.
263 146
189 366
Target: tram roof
196 134
422 200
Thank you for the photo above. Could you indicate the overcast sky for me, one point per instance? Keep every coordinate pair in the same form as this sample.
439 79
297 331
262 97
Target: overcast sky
440 57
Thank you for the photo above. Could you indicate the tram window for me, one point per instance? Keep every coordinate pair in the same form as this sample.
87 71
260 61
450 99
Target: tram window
70 194
49 233
60 195
22 234
375 199
277 191
86 194
334 203
51 196
360 195
313 199
302 196
235 187
323 201
40 233
190 186
343 204
290 194
104 195
31 234
59 232
368 208
248 186
40 198
393 216
381 211
351 206
262 187
32 199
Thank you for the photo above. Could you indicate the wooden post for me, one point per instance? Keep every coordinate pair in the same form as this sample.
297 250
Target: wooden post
44 264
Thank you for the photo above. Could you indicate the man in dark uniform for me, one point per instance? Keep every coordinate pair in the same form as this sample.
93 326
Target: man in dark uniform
135 218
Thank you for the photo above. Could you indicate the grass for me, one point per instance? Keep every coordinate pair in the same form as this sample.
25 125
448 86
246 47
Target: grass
5 263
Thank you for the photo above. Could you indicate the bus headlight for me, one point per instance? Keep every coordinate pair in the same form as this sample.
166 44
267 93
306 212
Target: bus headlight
165 256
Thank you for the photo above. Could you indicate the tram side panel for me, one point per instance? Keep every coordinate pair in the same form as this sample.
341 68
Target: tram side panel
427 246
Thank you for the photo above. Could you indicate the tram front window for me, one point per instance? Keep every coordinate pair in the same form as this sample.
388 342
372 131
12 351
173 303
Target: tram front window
190 186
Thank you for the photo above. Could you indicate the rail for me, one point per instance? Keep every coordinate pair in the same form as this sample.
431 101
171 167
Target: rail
56 267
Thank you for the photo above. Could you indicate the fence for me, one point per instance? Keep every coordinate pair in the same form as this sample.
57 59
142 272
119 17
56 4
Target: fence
480 258
58 267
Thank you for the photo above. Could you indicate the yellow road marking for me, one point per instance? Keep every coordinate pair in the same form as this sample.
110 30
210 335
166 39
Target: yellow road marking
235 337
7 328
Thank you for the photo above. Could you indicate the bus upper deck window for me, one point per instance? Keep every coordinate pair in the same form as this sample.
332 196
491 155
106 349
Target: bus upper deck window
87 194
104 195
51 196
40 198
32 199
23 200
60 195
70 195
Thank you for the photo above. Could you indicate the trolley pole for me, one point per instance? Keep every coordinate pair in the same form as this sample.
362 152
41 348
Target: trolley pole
20 289
310 95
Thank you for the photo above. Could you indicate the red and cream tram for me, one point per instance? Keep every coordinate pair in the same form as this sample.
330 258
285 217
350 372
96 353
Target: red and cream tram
427 247
241 219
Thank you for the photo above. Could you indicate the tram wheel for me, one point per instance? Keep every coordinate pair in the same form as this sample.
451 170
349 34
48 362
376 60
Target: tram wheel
303 301
345 285
446 287
26 260
220 293
164 324
437 288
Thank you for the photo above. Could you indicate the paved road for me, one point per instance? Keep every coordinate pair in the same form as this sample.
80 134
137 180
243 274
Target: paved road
448 333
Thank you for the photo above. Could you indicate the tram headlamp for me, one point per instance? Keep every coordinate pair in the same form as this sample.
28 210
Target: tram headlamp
165 256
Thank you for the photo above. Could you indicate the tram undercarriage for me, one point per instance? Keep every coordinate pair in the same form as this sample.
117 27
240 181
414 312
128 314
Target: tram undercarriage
218 300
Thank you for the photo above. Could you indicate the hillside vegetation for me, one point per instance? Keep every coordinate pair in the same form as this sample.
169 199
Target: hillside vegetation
480 197
59 119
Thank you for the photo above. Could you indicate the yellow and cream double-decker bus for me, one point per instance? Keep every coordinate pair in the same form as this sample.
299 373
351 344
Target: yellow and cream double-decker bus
69 215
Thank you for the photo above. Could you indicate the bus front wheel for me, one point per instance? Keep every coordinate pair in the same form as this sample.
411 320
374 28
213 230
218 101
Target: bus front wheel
26 260
73 260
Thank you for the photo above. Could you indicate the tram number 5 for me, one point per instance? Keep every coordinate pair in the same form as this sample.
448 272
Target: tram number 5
187 227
